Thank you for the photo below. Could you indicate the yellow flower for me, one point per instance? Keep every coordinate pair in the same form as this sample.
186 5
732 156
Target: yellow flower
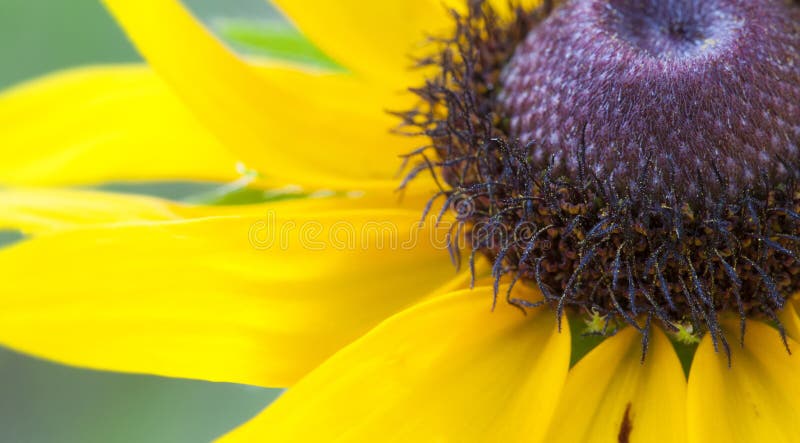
376 343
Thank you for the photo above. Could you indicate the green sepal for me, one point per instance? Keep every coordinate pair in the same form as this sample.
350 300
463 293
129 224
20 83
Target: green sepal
274 39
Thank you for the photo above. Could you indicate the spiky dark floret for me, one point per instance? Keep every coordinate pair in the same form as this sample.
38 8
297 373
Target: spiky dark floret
622 248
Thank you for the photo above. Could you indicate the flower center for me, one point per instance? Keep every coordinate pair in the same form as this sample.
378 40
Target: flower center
634 159
707 89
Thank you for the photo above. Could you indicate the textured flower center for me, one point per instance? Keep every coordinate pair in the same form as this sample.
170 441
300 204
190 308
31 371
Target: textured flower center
692 86
636 159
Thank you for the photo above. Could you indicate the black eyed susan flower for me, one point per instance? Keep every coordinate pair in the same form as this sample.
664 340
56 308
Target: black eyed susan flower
630 165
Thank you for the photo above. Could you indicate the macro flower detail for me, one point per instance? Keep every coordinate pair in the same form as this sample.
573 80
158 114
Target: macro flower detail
629 158
615 181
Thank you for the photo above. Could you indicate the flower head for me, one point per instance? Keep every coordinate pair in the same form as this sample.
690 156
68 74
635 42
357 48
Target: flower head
629 164
631 158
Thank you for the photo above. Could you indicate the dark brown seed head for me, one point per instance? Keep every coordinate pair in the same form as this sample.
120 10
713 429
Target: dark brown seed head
689 85
634 159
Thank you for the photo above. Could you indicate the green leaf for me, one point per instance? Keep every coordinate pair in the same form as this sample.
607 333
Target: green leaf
239 192
273 38
9 237
199 193
584 339
685 353
169 190
230 196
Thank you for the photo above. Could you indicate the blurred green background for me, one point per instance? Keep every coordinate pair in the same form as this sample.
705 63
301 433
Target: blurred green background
45 402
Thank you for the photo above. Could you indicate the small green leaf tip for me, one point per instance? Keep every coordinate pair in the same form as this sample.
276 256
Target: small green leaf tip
275 39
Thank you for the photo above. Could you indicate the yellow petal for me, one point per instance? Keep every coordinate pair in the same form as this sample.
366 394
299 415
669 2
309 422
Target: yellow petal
375 39
334 124
379 40
35 210
101 124
304 128
447 370
256 300
790 318
38 210
755 400
611 396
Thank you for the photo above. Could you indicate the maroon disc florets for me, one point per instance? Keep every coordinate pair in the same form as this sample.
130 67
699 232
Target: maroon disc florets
634 158
701 86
